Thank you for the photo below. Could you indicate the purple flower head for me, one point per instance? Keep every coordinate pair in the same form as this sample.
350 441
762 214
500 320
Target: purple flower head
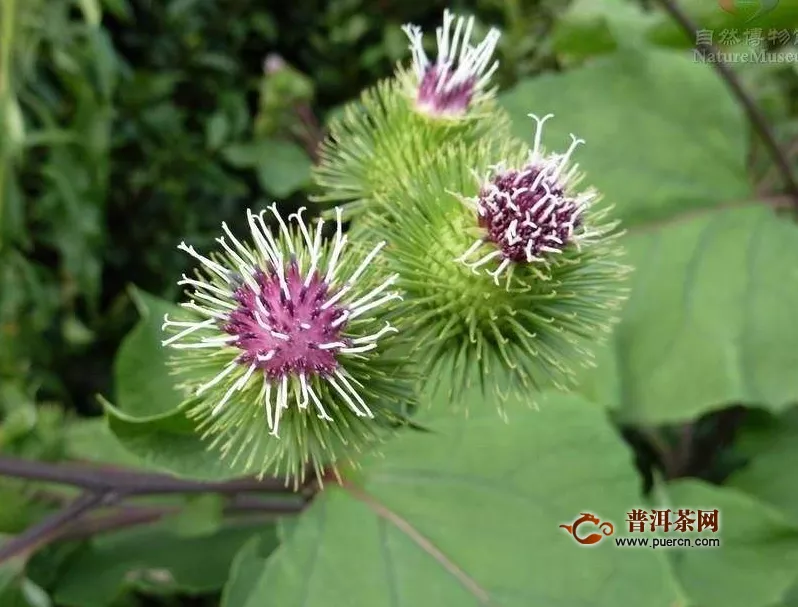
461 71
530 214
283 316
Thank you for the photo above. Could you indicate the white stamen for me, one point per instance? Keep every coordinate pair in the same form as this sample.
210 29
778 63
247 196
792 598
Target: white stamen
191 328
575 141
315 251
341 319
337 247
485 260
365 263
472 249
213 314
282 403
374 292
234 388
261 323
354 393
358 311
224 373
202 285
345 396
239 246
214 267
215 300
375 336
243 266
317 402
303 404
267 403
496 273
284 228
539 122
331 345
357 349
302 227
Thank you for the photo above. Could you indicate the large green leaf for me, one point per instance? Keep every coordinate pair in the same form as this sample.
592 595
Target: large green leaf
144 385
763 15
92 440
151 559
772 473
654 149
245 572
169 443
709 319
716 279
757 561
470 515
594 27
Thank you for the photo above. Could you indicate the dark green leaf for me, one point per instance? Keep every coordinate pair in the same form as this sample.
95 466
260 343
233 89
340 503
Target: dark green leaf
409 524
144 386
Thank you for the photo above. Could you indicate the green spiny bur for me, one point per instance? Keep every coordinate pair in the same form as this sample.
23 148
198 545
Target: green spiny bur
285 352
397 127
508 325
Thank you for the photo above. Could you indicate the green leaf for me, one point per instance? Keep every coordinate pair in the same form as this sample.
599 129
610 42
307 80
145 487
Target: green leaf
782 15
144 386
716 277
592 27
92 440
707 321
201 515
169 443
755 565
16 512
153 560
654 149
217 130
92 11
16 590
470 515
282 167
771 475
246 570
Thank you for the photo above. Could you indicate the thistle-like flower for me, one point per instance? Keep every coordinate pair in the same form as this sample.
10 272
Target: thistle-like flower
400 124
532 213
461 71
557 249
284 359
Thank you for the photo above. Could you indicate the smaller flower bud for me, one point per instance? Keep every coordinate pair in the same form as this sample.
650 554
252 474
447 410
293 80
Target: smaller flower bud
461 71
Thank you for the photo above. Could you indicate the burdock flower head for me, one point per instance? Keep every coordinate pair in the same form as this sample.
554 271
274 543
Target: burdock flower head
458 77
531 213
284 357
478 213
402 122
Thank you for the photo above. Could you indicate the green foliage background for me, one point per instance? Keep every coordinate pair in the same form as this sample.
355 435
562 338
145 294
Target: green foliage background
129 125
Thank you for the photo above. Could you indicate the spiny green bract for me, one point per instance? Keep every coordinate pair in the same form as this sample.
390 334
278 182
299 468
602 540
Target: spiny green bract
383 137
531 330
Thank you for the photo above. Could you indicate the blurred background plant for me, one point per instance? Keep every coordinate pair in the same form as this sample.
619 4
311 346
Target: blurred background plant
129 125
